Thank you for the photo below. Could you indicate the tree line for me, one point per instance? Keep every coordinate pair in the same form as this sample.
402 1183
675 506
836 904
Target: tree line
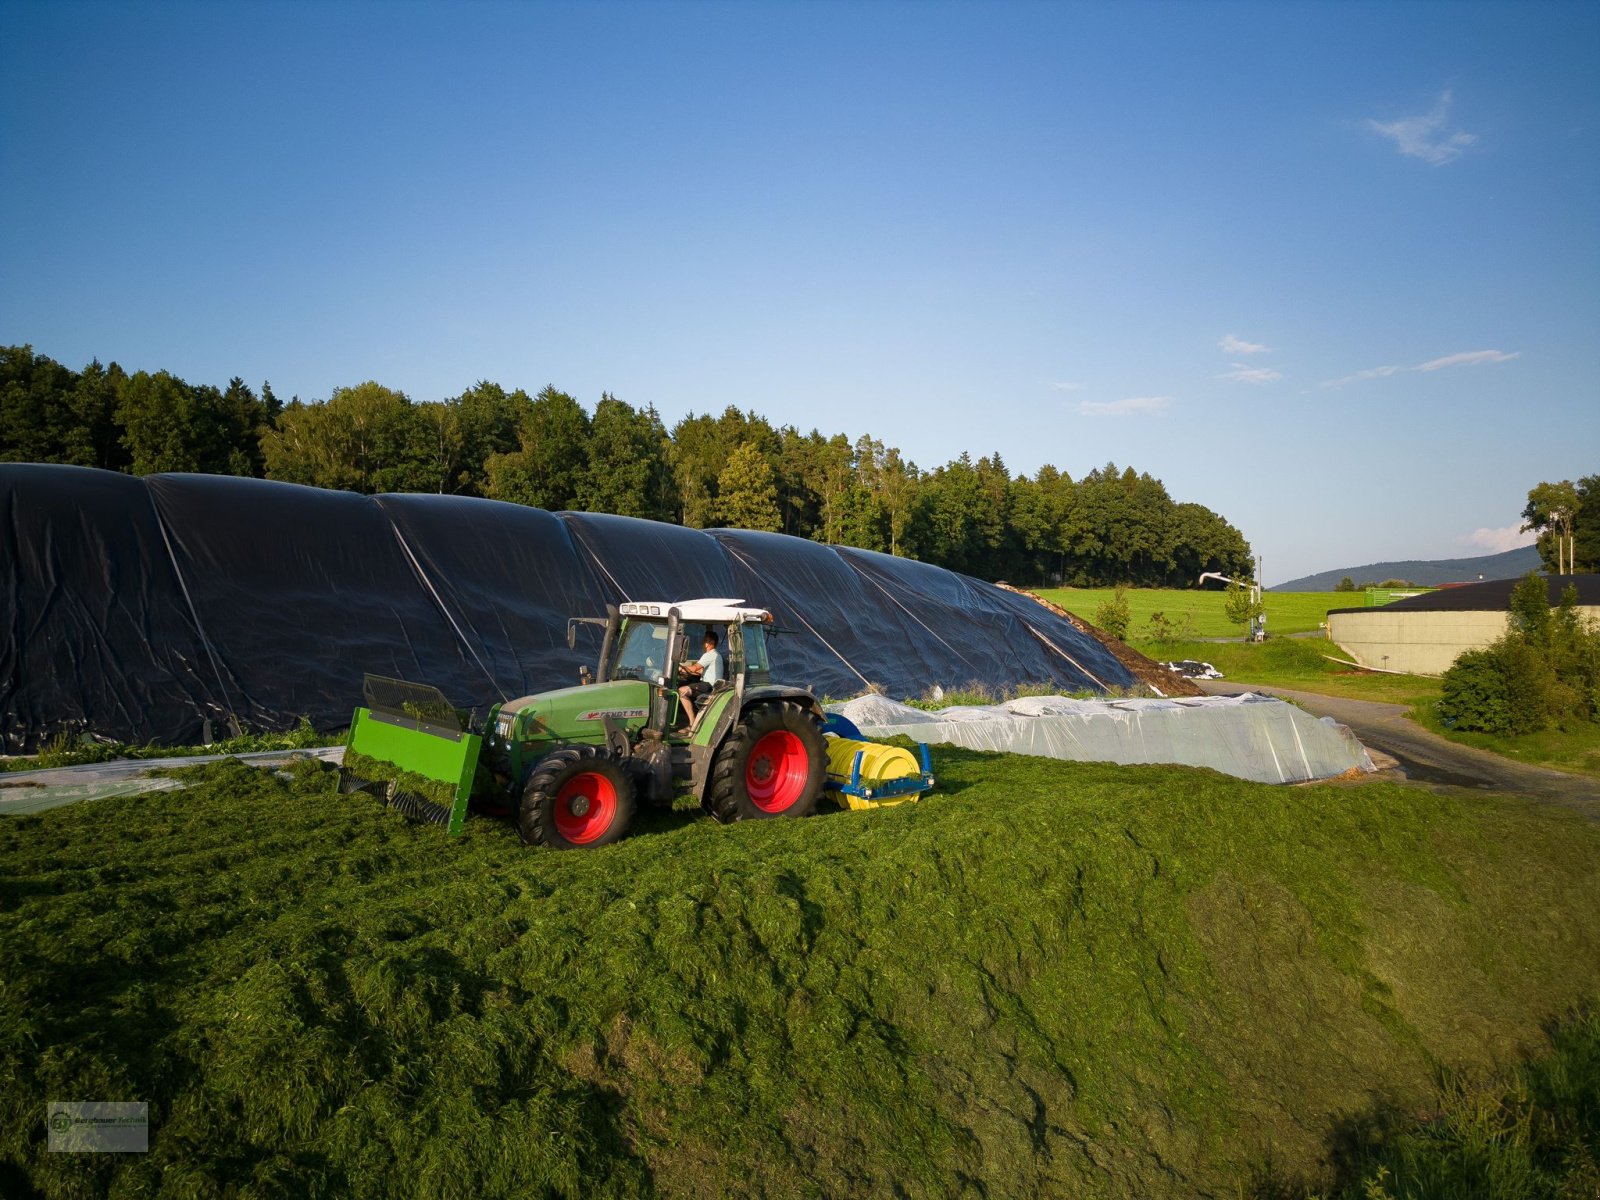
1112 526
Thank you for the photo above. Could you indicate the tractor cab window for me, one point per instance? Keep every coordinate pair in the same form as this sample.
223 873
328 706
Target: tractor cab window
641 651
755 647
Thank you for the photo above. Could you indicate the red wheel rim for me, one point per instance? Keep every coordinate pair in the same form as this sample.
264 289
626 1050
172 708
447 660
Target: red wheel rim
585 807
775 773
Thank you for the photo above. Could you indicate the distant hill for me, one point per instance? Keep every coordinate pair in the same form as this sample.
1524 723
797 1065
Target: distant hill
1510 565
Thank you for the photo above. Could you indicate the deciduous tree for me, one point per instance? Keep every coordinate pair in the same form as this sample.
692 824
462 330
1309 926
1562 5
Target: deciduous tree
1551 510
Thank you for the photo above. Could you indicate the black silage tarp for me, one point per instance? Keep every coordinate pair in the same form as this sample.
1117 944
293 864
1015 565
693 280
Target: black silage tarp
166 608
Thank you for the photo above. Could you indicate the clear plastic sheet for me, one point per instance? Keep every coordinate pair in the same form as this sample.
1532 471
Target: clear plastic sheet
23 792
175 607
1250 736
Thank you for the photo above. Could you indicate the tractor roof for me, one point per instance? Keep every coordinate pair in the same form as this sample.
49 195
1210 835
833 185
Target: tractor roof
716 610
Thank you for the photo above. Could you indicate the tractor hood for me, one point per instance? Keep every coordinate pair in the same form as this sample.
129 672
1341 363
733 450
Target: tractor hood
574 713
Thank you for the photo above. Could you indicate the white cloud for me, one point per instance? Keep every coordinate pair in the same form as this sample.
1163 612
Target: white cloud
1370 373
1062 386
1427 137
1466 358
1244 374
1236 345
1470 358
1121 408
1497 541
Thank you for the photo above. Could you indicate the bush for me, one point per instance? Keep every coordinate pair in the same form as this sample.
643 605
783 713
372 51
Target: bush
1507 687
1530 610
1114 615
1568 647
1575 655
1475 696
1545 670
1241 607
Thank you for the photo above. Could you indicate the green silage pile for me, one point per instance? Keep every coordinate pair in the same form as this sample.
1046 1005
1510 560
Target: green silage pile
1045 979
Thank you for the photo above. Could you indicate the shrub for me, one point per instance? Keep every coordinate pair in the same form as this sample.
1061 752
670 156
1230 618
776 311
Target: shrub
1240 607
1475 696
1545 670
1508 687
1530 610
1114 615
1575 655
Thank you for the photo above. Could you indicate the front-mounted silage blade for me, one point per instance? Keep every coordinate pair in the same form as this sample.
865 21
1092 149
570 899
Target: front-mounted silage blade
414 729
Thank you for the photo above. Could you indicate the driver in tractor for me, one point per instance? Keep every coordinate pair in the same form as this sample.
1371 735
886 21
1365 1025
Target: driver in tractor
703 674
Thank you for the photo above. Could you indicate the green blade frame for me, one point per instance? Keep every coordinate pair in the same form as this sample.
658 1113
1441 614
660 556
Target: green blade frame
421 748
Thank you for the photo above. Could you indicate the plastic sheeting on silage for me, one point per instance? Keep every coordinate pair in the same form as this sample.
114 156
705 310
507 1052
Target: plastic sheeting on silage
1250 736
167 607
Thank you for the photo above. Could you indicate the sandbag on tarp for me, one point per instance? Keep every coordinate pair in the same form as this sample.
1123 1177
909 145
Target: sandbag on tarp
141 609
1250 736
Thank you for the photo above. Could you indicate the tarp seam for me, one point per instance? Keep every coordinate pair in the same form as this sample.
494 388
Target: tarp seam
578 540
1046 640
183 586
439 600
863 575
749 566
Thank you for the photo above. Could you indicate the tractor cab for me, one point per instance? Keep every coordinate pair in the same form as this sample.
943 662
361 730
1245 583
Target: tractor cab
650 642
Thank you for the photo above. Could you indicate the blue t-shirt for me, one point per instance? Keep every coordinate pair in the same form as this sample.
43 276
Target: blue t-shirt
712 662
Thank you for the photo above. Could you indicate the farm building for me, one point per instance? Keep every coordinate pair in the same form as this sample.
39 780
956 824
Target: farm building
1424 634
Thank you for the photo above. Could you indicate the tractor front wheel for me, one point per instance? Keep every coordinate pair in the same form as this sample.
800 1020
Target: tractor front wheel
772 764
576 799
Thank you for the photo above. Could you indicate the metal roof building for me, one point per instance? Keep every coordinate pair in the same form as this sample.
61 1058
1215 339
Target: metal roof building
1424 634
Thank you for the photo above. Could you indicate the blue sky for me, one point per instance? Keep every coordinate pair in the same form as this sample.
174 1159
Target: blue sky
1330 270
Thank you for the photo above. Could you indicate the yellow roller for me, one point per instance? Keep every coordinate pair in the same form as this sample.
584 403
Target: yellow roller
880 776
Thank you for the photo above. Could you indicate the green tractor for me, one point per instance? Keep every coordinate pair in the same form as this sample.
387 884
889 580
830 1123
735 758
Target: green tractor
571 765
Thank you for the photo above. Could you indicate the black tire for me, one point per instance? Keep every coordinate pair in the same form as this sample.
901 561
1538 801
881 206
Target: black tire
773 763
576 799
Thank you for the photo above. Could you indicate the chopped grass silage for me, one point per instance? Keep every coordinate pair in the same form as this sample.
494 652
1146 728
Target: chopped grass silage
1044 979
1528 1134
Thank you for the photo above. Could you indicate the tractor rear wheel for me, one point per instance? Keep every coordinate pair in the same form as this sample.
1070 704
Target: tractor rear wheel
576 799
771 764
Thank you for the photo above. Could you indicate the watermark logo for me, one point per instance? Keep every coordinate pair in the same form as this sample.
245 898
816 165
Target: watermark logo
97 1127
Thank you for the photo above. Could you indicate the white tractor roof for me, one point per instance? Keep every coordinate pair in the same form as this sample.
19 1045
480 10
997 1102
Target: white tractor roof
715 610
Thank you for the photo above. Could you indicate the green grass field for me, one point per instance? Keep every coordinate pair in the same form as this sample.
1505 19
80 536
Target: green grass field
1198 614
1045 979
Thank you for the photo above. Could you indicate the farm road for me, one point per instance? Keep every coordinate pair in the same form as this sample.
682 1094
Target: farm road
1429 758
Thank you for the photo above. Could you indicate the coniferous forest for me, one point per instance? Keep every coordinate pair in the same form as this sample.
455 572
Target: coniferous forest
1112 526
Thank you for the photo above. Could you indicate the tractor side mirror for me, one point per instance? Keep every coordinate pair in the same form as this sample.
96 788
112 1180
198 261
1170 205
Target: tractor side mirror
572 635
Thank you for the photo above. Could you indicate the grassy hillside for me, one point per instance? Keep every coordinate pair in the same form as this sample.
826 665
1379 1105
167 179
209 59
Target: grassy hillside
1046 979
1199 613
